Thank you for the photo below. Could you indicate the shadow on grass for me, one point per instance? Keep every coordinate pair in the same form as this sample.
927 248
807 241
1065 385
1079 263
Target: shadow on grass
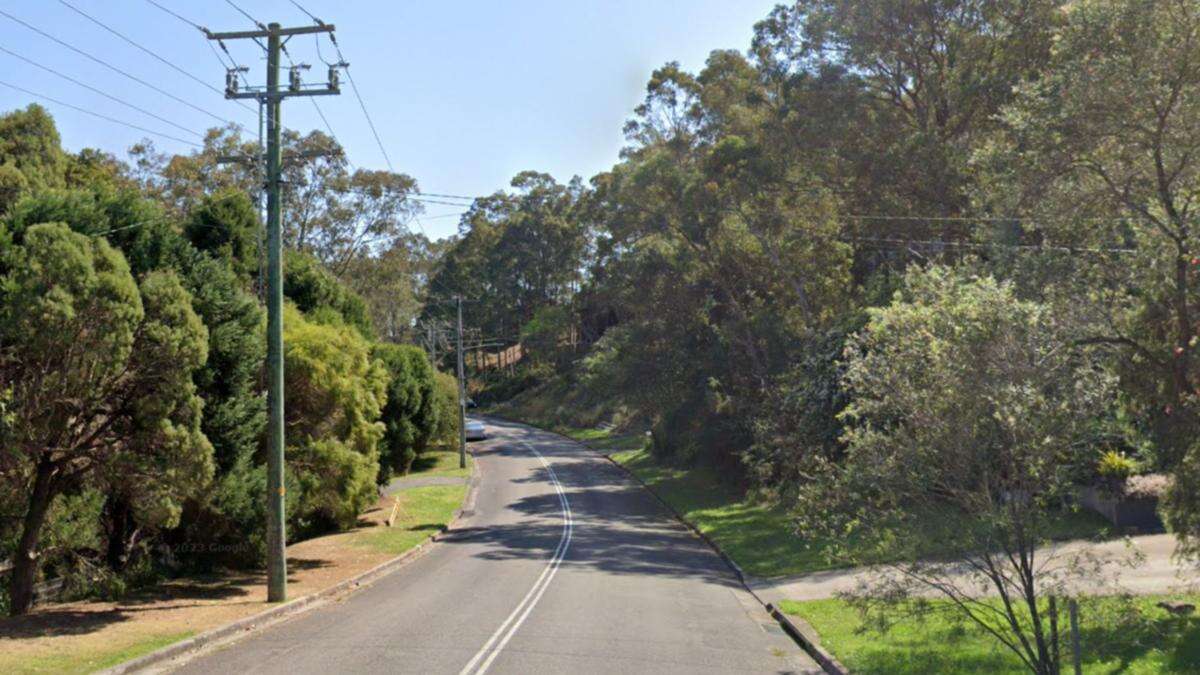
58 620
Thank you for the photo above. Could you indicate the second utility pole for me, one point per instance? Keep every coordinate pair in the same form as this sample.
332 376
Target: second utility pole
272 96
462 397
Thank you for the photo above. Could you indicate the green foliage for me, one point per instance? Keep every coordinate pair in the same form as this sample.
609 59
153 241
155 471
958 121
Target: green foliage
29 143
335 392
446 410
546 337
1115 466
226 225
409 414
970 400
315 291
12 185
1117 635
99 375
800 418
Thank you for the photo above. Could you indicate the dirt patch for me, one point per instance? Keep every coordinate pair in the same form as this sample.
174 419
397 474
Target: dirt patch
83 636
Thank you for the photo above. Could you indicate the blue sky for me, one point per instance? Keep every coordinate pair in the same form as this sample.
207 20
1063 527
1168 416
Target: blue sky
464 94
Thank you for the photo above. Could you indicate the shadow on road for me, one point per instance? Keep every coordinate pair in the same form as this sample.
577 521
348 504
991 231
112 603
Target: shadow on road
619 527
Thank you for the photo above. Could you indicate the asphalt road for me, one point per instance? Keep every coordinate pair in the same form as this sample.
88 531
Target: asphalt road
566 566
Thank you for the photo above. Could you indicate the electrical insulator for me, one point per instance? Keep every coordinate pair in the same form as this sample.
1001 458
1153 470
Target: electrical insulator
334 79
294 79
231 82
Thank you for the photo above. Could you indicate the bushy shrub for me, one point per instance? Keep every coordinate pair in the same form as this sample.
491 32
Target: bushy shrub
445 397
409 414
335 392
1115 466
316 291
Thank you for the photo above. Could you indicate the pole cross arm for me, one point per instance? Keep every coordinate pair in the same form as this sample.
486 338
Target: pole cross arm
249 34
279 95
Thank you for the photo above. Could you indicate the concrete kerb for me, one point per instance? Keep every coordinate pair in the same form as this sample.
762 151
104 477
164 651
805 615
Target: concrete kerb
269 617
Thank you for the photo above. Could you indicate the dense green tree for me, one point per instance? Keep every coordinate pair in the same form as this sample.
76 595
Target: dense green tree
409 414
99 380
226 225
316 291
335 392
970 401
29 143
1097 154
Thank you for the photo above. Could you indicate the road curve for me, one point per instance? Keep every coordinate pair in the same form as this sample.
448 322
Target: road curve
566 566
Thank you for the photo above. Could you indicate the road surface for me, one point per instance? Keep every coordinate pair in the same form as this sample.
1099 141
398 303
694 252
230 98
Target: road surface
566 566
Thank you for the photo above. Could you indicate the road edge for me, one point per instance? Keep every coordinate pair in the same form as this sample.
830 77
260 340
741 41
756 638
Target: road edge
255 623
798 629
801 632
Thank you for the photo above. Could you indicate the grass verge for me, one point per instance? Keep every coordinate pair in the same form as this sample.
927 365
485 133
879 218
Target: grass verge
1117 635
762 538
91 661
91 635
423 511
439 462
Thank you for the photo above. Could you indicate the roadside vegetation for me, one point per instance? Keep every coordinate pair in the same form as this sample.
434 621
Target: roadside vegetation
131 359
92 633
1117 635
894 260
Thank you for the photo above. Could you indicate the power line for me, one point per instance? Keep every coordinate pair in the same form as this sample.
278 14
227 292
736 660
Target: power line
370 123
255 21
967 219
96 114
101 92
177 16
170 64
204 31
353 86
435 201
310 14
116 69
434 194
986 245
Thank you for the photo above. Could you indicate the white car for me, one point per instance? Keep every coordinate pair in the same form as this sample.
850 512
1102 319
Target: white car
475 431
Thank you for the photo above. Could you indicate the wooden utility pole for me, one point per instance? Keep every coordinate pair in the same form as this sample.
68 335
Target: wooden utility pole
271 97
462 396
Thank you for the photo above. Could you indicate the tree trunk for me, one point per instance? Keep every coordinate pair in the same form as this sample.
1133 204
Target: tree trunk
25 563
120 526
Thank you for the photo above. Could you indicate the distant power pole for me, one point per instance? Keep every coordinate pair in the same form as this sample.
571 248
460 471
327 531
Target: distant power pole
432 346
462 397
271 97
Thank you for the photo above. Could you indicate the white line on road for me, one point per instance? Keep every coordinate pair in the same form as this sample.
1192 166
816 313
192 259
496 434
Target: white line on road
495 644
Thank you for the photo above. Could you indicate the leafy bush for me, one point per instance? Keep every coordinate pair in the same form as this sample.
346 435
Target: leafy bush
1115 466
409 414
445 403
335 392
316 292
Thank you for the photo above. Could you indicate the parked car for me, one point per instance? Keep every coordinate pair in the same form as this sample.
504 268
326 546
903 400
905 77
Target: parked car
475 431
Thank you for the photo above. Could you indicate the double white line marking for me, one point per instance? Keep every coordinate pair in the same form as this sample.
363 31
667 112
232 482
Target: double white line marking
495 644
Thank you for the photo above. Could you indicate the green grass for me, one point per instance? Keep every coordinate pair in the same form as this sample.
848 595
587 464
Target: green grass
604 440
423 512
91 661
763 539
439 462
1147 641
